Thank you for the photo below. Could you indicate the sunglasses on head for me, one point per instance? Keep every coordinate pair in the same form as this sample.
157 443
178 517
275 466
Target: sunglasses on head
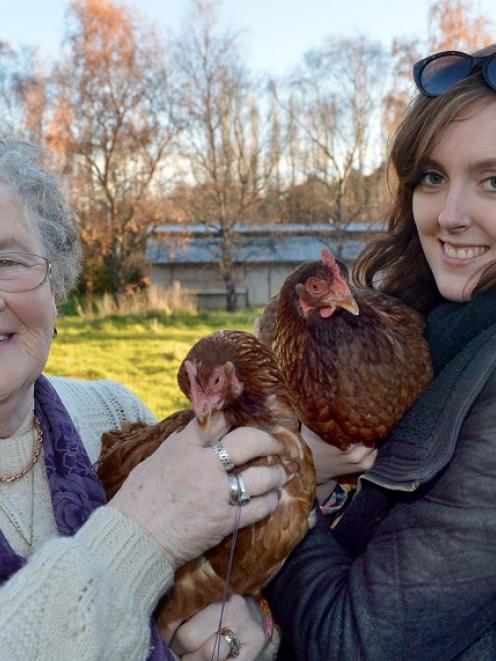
437 73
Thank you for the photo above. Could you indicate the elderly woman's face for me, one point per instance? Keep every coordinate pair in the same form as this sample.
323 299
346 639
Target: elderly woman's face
26 319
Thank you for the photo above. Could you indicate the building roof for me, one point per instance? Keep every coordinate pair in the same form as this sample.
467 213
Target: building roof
267 228
256 244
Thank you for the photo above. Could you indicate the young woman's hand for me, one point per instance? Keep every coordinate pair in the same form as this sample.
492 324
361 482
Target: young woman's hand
331 463
196 639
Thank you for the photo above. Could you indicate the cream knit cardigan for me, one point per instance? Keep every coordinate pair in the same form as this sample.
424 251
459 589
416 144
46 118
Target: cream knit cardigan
87 597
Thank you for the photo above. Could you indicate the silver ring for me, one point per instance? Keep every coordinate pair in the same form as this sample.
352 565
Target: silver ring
244 496
224 456
238 495
234 492
232 640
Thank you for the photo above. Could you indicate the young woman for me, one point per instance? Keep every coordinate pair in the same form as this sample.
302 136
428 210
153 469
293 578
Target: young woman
409 572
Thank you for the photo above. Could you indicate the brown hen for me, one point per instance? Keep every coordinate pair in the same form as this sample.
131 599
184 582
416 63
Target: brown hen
354 360
233 372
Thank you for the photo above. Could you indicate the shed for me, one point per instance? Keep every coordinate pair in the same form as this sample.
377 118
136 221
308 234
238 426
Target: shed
263 256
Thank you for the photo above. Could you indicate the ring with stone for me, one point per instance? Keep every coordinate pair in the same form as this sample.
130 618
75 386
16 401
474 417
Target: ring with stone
224 456
232 640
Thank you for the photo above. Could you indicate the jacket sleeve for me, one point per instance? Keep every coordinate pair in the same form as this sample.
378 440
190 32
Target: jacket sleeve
425 587
85 597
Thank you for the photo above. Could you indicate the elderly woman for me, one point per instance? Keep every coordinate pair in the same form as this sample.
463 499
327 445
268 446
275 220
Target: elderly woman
80 578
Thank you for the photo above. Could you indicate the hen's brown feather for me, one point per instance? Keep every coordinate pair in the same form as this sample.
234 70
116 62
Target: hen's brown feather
265 325
124 449
351 378
264 403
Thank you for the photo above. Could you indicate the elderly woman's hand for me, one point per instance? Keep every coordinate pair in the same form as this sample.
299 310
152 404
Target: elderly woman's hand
332 463
180 494
196 639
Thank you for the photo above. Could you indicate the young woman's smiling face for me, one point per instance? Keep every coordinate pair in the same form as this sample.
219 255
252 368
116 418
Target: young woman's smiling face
454 203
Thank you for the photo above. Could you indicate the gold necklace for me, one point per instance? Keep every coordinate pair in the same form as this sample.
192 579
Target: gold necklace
29 542
38 432
37 443
31 522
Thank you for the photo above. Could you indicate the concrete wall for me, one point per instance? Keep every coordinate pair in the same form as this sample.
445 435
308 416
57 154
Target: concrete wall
201 276
263 281
256 283
202 280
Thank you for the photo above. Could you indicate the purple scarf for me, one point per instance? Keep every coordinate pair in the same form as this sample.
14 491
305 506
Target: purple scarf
74 486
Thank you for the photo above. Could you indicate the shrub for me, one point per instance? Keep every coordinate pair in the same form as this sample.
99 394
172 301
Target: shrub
152 300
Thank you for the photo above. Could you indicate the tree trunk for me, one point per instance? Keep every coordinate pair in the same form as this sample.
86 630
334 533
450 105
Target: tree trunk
227 267
231 297
117 278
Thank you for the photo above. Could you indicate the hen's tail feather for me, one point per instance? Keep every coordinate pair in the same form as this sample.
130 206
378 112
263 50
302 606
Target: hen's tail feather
184 599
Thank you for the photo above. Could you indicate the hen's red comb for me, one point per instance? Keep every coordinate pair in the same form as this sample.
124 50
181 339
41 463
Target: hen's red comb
328 260
190 369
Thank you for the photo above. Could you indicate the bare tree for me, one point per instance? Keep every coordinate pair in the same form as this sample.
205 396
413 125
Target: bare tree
8 102
332 106
271 207
23 98
114 122
404 53
224 142
456 24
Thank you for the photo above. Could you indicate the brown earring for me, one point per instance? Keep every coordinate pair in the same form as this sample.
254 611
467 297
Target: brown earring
55 332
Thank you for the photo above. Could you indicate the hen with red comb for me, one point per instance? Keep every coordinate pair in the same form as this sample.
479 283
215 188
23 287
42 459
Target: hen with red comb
228 371
354 360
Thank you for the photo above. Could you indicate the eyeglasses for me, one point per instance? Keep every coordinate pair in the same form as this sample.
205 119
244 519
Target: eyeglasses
437 73
22 271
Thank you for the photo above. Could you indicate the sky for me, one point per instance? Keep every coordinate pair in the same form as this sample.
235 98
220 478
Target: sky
276 33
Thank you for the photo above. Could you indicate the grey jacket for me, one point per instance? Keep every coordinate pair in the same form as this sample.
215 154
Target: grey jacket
425 587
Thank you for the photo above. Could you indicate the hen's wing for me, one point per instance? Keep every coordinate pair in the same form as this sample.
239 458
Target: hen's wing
265 325
356 380
123 450
261 548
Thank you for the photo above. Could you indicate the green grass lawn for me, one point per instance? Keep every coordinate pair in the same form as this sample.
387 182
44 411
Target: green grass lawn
143 353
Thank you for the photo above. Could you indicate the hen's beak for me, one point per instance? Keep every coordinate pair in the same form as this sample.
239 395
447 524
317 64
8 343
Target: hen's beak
203 419
349 304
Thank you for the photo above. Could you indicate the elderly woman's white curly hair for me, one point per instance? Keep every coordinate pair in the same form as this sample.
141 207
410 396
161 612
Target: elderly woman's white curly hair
24 168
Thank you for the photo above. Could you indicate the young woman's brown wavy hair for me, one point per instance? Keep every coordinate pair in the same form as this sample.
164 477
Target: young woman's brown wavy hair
395 263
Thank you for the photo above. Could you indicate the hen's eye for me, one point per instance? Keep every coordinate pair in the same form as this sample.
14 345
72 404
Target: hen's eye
313 286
